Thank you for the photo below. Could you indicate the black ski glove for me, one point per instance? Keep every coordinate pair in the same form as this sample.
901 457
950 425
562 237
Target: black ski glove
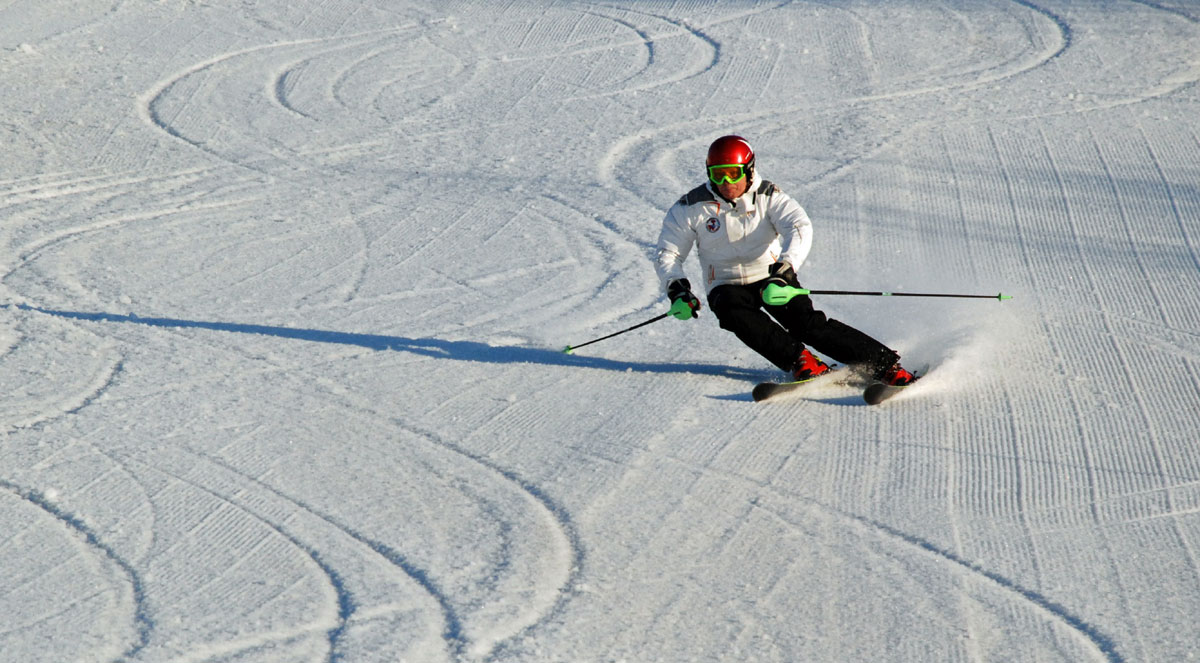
781 285
684 304
782 274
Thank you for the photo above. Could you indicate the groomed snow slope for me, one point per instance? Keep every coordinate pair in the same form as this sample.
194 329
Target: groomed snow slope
285 284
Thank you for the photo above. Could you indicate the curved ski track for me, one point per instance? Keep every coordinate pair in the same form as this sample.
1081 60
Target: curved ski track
142 624
682 137
568 560
1100 644
301 528
36 405
286 516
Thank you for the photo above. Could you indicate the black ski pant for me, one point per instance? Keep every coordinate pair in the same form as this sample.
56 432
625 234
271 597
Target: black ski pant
740 309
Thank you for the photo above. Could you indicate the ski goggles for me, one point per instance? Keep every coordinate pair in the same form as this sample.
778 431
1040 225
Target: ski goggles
729 173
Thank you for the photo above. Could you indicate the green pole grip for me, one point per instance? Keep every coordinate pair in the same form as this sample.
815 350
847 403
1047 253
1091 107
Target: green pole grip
778 295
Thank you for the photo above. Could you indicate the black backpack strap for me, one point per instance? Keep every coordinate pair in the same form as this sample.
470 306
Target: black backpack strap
700 194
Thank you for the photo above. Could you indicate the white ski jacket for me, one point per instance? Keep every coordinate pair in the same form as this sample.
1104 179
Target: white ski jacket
737 242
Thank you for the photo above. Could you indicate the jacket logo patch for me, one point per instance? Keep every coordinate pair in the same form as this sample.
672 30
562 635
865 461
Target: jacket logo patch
713 224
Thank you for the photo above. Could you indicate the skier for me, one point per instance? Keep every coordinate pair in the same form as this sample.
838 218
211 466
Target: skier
751 235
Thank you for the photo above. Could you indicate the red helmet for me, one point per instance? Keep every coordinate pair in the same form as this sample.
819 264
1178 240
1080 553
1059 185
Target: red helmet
729 150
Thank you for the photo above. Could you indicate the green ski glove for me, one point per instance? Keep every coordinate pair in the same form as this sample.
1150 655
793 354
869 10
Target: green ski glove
684 304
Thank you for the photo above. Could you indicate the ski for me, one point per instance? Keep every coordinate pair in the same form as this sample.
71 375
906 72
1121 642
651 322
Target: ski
838 376
878 392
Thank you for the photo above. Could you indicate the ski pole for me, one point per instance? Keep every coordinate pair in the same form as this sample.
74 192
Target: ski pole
571 348
777 295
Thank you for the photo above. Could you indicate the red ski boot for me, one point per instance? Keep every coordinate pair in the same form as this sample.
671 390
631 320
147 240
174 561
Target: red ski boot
808 367
896 376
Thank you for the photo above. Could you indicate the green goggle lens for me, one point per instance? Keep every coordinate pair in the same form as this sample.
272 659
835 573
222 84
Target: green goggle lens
730 173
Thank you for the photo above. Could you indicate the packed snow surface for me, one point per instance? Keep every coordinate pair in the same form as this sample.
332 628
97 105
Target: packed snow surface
285 288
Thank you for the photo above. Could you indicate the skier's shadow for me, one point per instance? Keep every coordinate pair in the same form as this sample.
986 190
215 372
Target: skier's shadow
431 347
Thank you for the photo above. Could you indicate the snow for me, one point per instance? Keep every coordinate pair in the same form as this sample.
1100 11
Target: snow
285 287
